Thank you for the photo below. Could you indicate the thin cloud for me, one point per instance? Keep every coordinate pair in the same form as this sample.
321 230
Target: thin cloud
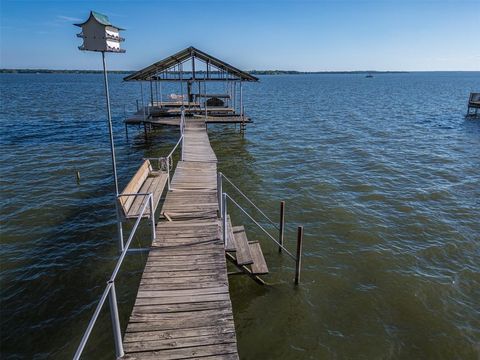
67 18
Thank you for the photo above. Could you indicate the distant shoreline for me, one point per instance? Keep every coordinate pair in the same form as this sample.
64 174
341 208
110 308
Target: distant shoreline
253 72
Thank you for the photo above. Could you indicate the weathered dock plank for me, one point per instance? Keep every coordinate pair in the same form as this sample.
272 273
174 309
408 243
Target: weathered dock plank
183 308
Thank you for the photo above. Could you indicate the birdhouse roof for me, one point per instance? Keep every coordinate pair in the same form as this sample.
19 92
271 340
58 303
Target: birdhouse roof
100 18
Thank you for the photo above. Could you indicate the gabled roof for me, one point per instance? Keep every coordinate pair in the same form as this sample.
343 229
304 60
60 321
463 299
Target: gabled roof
101 18
150 71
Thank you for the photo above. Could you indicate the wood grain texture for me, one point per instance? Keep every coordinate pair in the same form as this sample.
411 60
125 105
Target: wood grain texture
183 308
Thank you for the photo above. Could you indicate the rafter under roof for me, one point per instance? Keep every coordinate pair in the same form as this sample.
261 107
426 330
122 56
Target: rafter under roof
150 72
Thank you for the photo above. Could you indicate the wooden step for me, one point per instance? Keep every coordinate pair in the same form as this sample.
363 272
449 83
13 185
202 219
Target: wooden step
230 246
259 265
244 257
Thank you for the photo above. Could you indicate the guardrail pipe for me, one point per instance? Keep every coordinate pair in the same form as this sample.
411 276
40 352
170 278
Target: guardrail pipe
219 193
117 334
224 218
152 215
298 260
281 228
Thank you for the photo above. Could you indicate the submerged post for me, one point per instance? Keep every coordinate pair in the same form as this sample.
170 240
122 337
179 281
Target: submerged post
298 259
117 334
281 227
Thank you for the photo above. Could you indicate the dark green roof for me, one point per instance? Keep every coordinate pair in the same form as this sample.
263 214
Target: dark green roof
102 19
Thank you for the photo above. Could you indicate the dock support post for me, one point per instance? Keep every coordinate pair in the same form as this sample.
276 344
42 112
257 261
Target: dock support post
224 218
241 100
151 93
117 334
219 193
281 230
298 260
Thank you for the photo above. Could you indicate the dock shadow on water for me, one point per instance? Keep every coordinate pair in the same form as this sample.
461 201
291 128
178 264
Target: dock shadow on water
383 174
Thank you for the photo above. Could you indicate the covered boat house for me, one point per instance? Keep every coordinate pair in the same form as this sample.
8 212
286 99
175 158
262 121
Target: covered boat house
194 83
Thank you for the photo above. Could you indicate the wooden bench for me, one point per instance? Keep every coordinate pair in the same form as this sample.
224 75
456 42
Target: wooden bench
146 180
474 103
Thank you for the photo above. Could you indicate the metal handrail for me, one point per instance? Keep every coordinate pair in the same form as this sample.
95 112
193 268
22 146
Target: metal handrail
109 291
180 140
110 288
258 224
250 201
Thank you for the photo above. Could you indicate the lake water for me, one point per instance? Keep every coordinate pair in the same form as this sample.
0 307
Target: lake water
384 174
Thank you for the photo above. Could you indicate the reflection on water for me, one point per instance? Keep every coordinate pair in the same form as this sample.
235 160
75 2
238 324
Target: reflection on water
383 173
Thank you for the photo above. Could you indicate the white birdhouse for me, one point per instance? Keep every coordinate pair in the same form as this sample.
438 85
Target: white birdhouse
99 34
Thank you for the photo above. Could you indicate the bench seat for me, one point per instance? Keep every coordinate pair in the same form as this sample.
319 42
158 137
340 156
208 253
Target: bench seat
145 180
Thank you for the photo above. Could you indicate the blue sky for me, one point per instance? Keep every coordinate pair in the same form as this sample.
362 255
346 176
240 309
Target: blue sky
323 35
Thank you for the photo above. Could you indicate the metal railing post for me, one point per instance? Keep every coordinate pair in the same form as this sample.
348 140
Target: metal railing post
224 218
117 334
281 230
168 172
152 215
219 193
183 147
298 260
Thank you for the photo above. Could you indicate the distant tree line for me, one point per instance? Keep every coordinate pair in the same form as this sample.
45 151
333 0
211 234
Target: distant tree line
48 71
293 72
253 72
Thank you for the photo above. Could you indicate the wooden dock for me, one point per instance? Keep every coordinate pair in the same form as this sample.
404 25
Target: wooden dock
183 308
138 119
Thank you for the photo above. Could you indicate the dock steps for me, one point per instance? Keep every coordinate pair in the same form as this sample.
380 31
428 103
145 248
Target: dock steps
259 265
246 252
242 248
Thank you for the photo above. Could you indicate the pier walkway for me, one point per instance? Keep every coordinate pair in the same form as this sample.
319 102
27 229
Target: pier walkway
183 307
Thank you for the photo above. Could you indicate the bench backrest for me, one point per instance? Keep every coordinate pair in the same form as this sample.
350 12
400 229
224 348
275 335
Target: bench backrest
134 185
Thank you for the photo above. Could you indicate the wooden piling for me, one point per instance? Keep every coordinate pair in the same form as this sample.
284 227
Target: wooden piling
298 260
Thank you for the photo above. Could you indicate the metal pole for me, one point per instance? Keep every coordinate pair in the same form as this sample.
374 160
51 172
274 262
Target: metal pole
206 110
241 99
298 260
281 229
151 93
112 150
219 193
126 125
152 215
143 103
117 334
168 173
224 218
161 96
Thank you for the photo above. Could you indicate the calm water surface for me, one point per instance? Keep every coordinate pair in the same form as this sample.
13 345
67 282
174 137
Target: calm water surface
384 174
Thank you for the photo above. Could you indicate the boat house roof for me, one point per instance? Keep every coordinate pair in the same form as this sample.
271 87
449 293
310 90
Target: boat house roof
190 54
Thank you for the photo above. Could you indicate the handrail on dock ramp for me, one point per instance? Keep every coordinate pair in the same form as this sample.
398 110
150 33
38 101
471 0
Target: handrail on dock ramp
109 291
